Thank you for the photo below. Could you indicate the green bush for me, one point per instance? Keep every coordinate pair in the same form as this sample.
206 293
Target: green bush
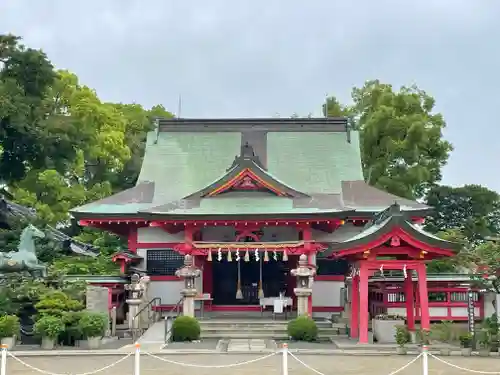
402 336
9 326
49 326
302 328
92 324
185 328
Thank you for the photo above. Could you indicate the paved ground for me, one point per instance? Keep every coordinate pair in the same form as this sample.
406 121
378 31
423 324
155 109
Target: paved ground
270 366
197 345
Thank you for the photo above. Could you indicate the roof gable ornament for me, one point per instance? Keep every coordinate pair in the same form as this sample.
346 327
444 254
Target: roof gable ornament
247 153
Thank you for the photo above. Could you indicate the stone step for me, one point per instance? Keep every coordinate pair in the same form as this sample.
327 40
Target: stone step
255 323
257 335
323 331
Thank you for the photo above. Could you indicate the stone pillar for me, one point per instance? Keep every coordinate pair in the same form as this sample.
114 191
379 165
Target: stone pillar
189 273
305 274
135 289
146 298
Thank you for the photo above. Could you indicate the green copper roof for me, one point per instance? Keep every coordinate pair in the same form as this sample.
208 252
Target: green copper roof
318 159
315 162
183 163
384 223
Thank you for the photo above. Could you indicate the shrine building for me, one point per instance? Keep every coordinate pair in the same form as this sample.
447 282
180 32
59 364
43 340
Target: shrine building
247 197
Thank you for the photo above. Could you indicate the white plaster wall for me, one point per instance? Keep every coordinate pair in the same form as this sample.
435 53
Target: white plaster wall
489 309
401 311
464 311
327 293
154 234
168 291
143 254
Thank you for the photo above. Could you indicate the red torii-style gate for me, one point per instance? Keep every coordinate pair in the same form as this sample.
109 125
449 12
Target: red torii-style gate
390 235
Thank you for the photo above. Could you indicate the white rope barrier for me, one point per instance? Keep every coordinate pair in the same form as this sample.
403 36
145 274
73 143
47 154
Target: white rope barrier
284 363
320 373
210 366
464 368
45 372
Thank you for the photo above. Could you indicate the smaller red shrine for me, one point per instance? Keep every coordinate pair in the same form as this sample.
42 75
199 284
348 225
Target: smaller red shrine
390 242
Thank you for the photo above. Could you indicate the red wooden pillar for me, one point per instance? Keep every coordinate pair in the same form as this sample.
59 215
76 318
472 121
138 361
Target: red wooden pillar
424 297
409 298
355 307
363 303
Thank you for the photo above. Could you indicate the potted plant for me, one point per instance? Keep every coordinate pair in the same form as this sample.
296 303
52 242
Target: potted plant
402 338
49 328
92 327
9 330
484 341
493 327
384 327
445 329
466 344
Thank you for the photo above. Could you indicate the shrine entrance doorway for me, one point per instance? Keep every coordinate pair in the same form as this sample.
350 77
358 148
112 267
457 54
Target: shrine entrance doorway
276 279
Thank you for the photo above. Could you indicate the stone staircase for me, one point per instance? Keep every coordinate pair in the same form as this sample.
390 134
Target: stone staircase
258 329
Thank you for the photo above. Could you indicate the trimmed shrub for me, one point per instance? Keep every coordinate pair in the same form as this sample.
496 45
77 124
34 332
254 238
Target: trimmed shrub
49 326
92 324
302 328
9 326
185 328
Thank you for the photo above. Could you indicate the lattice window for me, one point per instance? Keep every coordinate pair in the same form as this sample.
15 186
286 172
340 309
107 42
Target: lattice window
163 262
463 296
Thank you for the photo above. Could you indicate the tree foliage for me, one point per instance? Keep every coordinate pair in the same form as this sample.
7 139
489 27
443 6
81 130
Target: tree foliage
472 209
402 147
62 147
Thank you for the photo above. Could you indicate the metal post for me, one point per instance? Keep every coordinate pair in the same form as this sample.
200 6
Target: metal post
284 360
425 360
3 365
137 359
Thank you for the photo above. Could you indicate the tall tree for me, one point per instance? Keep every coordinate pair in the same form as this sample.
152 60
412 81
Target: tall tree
25 76
401 137
472 209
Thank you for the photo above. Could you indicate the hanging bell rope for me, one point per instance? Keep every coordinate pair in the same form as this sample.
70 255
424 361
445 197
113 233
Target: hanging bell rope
247 256
261 291
239 293
209 256
285 256
266 256
229 257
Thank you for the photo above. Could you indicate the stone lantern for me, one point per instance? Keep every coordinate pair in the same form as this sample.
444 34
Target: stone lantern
135 290
189 273
305 276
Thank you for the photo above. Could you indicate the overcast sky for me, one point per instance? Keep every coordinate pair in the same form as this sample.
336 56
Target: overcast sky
261 57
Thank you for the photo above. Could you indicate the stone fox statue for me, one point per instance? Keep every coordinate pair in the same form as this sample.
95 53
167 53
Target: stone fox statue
24 259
